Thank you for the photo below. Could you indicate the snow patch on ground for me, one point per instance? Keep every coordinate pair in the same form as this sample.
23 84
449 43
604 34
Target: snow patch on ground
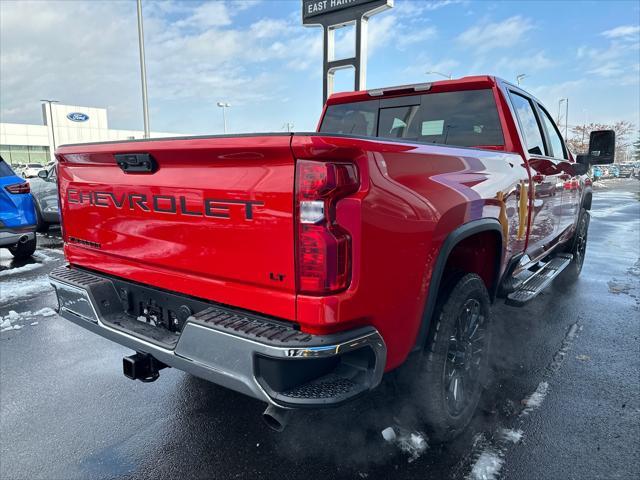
16 289
25 268
43 257
534 400
7 322
512 436
13 316
413 444
487 466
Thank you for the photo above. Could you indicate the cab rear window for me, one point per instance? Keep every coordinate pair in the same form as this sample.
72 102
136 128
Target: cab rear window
465 119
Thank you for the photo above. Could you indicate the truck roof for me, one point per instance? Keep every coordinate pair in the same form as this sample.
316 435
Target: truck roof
464 83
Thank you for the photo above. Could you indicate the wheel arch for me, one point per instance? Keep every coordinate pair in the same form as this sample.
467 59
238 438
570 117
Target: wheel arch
453 239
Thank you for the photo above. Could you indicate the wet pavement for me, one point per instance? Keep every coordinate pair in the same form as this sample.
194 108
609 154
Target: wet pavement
563 400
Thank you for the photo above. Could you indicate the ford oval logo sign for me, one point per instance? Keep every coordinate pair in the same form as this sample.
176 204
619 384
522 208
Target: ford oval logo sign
78 117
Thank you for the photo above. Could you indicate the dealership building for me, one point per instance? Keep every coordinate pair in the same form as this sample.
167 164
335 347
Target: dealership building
61 124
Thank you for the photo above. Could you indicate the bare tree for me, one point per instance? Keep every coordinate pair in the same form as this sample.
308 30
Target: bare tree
636 149
579 141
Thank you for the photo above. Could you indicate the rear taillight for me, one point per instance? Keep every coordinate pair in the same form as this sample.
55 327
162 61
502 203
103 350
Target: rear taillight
324 248
18 188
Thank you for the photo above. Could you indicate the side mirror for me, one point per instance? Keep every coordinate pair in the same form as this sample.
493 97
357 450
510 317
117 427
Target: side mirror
43 174
602 148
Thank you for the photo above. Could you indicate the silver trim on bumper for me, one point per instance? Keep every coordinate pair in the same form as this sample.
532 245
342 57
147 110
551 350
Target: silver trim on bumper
211 354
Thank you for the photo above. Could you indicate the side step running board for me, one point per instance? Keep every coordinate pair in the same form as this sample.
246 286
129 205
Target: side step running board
540 280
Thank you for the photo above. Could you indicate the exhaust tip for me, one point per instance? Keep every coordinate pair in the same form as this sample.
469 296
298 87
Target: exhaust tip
276 418
23 239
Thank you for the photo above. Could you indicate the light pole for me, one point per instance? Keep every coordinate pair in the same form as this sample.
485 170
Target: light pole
445 75
559 114
521 77
566 120
566 116
53 132
143 72
224 106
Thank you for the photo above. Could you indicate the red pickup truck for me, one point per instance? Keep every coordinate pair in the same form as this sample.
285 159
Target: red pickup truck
298 268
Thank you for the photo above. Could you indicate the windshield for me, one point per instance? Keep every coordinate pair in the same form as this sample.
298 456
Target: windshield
34 165
466 119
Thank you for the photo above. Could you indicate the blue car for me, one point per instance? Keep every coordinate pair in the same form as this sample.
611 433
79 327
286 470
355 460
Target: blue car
598 173
17 214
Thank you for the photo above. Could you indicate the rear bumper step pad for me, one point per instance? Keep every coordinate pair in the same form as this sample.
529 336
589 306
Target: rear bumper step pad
258 356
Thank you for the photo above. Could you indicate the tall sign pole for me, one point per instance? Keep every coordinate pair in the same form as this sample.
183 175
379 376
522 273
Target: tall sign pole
334 14
143 72
53 130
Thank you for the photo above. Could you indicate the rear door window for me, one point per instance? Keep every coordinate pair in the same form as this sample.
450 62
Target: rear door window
466 119
528 124
555 139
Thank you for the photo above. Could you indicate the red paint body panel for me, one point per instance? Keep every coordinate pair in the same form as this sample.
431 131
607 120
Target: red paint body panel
228 260
411 198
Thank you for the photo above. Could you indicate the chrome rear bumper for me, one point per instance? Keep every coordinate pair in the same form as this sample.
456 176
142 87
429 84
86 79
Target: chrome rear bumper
242 351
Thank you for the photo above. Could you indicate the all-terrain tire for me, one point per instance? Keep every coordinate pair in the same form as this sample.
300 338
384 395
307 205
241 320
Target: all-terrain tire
578 245
447 407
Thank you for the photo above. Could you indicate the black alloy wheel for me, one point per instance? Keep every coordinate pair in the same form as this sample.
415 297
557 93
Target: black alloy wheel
467 345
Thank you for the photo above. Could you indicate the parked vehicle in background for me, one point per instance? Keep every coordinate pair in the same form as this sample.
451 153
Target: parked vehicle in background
17 214
625 170
298 268
614 171
44 189
31 170
597 173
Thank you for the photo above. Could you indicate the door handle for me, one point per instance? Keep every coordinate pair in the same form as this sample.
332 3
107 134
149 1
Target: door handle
538 178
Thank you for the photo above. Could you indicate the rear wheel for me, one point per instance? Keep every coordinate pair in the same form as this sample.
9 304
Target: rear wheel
21 251
578 245
450 377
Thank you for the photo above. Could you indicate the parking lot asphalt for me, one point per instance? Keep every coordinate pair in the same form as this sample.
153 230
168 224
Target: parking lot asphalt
563 400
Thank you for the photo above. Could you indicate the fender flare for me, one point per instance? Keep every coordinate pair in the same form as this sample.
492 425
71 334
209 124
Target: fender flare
456 236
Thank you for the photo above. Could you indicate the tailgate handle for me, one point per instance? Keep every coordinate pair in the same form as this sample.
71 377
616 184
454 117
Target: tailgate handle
136 162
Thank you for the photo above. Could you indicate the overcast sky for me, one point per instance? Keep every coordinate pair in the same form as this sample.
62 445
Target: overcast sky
257 56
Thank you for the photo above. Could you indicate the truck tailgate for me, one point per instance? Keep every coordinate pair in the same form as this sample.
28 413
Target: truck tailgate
213 219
